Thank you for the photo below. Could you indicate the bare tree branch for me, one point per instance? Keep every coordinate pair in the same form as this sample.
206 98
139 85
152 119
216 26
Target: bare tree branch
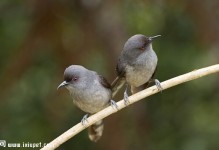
134 98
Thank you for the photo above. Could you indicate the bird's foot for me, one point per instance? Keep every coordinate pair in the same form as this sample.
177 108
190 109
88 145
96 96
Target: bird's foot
159 87
113 104
84 119
126 98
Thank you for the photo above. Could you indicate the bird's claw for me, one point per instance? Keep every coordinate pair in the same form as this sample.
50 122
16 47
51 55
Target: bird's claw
159 87
113 104
84 119
126 99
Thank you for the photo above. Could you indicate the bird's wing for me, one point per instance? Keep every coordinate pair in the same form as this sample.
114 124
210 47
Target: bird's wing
104 82
120 68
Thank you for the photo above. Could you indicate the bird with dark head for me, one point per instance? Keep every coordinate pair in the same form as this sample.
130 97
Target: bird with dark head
136 65
90 92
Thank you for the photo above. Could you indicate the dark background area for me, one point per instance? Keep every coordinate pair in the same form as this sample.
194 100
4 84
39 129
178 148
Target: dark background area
40 38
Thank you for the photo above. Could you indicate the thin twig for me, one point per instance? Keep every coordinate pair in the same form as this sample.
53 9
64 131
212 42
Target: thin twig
134 98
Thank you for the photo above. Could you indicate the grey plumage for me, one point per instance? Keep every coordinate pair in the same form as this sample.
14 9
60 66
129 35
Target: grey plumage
136 64
90 92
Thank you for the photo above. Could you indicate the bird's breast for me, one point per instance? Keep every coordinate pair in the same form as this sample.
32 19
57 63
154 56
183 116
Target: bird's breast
91 101
142 70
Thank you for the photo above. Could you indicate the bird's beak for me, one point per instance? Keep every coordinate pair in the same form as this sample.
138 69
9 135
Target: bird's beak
64 83
153 37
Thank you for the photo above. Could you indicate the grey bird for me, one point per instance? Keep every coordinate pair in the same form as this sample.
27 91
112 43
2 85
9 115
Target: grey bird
136 65
90 92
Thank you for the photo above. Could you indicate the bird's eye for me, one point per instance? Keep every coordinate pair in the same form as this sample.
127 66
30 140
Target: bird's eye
75 78
142 48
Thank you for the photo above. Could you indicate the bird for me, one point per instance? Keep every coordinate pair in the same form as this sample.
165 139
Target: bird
136 65
90 92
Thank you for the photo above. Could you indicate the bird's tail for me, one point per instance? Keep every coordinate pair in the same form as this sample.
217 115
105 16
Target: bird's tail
95 131
117 85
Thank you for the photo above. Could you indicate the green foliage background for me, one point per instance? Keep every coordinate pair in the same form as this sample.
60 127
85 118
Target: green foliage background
40 38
